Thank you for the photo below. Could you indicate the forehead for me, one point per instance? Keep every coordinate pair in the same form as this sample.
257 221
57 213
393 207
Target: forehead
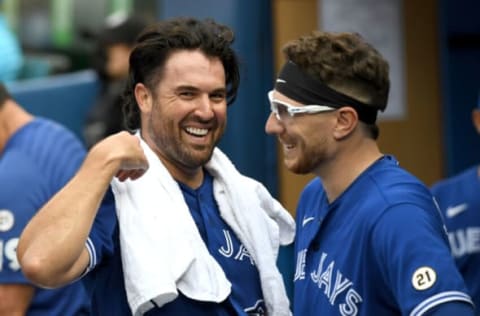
281 97
193 68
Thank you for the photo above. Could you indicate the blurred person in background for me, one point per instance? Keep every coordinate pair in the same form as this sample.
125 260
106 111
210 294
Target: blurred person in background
11 61
110 60
37 158
459 200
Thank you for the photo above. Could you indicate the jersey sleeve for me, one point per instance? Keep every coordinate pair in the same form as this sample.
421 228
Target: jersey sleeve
22 194
452 308
415 261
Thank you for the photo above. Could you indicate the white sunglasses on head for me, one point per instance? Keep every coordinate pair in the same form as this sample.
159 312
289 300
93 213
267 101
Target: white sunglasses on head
282 109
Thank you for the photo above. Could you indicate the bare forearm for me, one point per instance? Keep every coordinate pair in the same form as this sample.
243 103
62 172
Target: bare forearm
51 249
15 299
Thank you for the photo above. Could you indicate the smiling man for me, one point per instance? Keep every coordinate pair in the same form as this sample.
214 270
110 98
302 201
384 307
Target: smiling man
370 240
190 235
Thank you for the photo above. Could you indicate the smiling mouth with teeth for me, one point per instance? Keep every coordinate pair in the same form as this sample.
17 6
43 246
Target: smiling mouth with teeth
196 131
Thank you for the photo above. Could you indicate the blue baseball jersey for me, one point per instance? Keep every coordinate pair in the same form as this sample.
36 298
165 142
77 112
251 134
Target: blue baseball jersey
38 160
459 200
106 279
379 249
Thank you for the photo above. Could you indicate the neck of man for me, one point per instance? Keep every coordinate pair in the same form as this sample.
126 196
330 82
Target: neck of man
346 165
193 178
12 118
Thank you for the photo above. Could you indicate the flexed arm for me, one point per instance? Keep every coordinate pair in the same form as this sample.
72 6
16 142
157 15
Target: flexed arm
51 249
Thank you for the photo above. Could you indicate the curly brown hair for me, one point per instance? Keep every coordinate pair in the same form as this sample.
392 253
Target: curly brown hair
346 63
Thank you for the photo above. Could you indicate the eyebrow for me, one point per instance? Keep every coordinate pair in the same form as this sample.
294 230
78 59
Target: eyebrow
219 90
186 87
196 89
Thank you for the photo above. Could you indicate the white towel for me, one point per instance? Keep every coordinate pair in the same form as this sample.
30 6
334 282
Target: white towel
162 250
259 221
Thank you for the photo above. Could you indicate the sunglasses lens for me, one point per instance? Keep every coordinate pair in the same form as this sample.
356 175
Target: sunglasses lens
279 109
282 110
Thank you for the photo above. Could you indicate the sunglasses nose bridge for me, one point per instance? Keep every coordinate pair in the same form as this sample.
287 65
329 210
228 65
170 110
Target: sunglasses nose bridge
274 109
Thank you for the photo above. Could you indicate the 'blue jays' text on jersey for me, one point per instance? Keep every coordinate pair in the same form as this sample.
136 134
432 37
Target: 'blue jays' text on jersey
38 160
379 249
459 200
107 277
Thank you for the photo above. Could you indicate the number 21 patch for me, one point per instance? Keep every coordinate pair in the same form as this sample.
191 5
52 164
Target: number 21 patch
424 278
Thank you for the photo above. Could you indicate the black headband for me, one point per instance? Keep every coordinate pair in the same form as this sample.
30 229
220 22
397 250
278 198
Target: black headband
297 85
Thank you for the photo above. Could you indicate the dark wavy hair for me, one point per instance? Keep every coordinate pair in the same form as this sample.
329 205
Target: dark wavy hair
158 41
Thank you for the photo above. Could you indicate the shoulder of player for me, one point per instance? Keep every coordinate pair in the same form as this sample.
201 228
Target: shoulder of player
456 182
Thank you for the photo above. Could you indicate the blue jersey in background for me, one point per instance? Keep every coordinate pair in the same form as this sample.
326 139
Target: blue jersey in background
459 200
37 161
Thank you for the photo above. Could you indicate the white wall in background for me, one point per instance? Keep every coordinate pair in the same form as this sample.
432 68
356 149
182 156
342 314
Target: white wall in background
380 22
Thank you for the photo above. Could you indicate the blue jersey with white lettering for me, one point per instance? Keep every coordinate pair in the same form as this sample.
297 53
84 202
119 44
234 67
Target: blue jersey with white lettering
109 293
379 249
38 160
459 200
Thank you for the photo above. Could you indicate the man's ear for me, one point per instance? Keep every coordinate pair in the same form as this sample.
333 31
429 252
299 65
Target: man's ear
144 98
347 121
476 119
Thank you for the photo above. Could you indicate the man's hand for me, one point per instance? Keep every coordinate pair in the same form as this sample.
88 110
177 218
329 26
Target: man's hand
124 151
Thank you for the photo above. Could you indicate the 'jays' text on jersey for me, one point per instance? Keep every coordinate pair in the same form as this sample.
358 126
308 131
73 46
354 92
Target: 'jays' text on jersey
106 278
38 160
379 249
459 200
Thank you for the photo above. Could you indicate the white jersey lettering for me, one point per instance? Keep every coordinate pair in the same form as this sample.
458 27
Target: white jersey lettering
340 286
352 299
464 241
325 278
317 274
9 250
334 283
227 250
243 252
300 266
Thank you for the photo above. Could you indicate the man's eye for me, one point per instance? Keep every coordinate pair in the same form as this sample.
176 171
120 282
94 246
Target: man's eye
282 110
218 96
187 94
